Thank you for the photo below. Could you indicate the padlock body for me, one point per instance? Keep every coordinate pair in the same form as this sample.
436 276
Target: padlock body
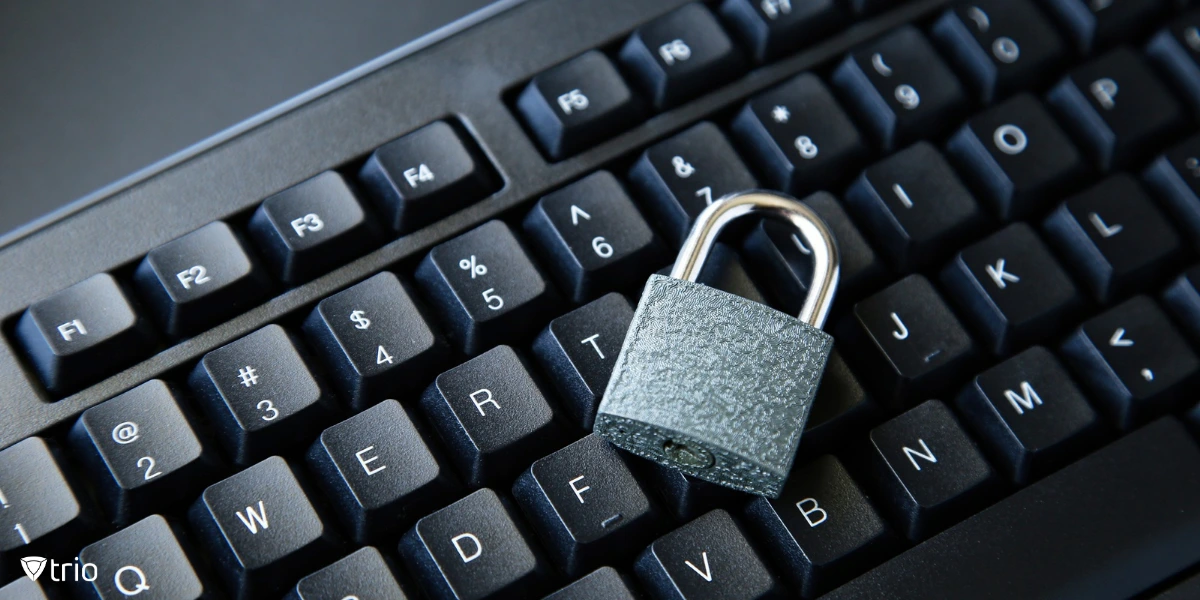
713 384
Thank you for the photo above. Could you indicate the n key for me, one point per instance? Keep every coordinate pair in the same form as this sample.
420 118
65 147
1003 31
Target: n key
709 558
144 558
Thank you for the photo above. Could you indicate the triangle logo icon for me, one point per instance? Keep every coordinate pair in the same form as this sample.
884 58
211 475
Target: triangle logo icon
33 565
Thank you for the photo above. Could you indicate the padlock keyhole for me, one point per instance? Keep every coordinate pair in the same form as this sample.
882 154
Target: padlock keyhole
688 456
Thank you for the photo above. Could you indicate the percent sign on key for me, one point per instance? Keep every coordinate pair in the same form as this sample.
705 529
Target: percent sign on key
470 265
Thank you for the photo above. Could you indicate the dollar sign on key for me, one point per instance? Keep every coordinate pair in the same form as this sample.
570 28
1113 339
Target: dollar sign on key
360 319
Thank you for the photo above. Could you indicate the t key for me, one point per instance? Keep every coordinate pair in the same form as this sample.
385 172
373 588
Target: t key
144 558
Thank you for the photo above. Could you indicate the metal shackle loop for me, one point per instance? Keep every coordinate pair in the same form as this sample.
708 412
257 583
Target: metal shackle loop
812 230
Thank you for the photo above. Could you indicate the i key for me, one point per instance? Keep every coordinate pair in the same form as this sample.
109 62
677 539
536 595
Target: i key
362 574
144 558
603 583
774 28
1095 24
1175 177
39 511
1175 50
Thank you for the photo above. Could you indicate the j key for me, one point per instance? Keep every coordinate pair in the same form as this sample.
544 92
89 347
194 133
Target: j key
39 512
1117 129
774 28
377 340
1016 157
1133 360
474 549
310 228
486 287
1029 414
842 405
1012 288
82 334
362 574
679 55
1175 50
1000 46
1182 299
142 452
261 529
799 136
821 529
1094 24
1175 179
915 206
900 87
379 472
604 583
678 178
576 104
586 505
908 335
200 279
593 238
260 394
1114 238
492 414
929 472
425 175
708 558
578 349
144 560
687 497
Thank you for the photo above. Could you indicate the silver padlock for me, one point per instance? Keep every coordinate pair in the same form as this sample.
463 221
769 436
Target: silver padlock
715 385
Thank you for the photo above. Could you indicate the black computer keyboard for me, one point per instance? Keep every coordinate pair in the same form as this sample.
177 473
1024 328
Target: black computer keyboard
371 373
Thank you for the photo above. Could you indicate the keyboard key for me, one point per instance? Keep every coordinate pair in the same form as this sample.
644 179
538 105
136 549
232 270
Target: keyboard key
1175 179
379 472
39 511
492 415
776 28
586 505
82 334
425 175
679 55
260 394
485 287
1133 361
142 452
575 104
1016 157
200 279
821 529
376 340
1000 46
1175 50
864 7
1182 299
604 583
928 472
841 407
362 574
578 350
1117 129
1094 24
144 558
915 207
593 238
1013 290
798 136
900 87
23 588
474 548
1114 238
678 178
708 558
686 497
310 228
259 526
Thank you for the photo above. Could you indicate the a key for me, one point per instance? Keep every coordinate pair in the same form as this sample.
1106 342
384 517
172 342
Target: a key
1095 24
1175 50
82 334
604 583
142 452
774 28
678 178
1175 179
899 87
679 55
310 228
1182 299
474 548
144 558
798 136
260 527
1133 360
425 175
492 415
1013 290
929 472
1114 238
708 558
822 529
593 238
40 513
379 472
377 340
1000 46
260 394
363 574
842 406
575 104
1117 129
1016 157
915 207
485 287
200 279
586 505
578 349
1028 411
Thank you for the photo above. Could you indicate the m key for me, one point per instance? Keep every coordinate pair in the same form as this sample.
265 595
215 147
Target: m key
709 558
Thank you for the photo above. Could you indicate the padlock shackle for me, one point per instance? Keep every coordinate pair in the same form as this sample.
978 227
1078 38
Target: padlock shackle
812 230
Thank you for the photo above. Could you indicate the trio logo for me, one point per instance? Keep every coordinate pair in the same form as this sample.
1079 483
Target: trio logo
33 566
129 580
